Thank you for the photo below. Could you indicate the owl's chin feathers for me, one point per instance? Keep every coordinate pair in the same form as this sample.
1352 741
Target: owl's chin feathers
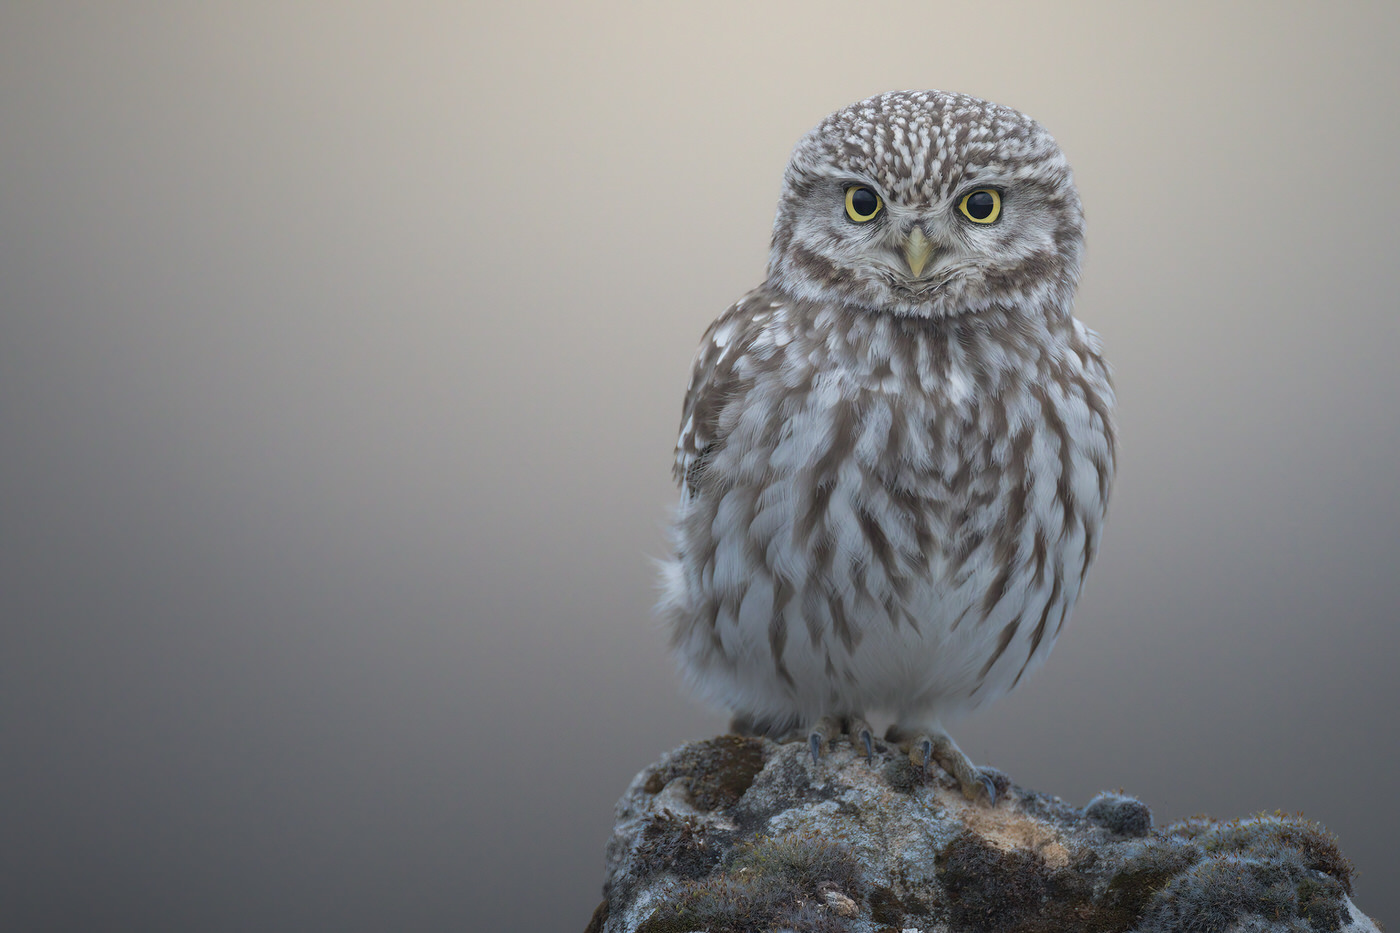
956 292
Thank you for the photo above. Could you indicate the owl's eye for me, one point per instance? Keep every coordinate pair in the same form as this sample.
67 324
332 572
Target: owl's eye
862 204
982 206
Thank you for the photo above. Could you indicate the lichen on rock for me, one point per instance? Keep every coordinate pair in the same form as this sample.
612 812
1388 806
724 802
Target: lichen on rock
742 835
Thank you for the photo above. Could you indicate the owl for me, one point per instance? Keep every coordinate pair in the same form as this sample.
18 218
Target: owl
895 454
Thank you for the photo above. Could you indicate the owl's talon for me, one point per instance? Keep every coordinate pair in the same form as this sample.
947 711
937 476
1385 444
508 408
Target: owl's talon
921 755
859 730
930 747
989 786
826 730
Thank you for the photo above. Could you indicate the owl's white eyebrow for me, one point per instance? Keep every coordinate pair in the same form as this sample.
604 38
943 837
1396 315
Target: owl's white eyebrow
847 181
967 187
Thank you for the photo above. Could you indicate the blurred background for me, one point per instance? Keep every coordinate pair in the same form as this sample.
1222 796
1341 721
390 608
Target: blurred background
342 348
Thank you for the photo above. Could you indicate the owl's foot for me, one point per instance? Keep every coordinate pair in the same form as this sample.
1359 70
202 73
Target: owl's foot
930 747
828 728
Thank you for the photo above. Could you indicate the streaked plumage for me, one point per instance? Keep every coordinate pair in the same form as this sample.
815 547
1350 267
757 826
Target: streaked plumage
896 453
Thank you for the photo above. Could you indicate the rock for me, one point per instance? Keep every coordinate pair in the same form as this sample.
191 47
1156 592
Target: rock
740 835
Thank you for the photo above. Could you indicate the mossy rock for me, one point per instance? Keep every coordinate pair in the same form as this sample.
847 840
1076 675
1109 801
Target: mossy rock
720 770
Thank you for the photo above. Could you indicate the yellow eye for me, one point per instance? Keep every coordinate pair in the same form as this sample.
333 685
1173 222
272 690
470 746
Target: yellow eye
982 206
862 204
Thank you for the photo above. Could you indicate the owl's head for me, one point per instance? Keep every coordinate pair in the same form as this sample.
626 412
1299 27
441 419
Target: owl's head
928 204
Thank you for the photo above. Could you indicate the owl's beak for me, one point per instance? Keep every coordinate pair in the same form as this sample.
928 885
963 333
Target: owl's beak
917 250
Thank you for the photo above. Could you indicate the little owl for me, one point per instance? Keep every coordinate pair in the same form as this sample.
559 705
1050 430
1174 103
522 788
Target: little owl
895 453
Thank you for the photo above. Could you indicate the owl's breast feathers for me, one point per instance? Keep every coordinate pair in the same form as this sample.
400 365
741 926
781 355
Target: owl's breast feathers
850 472
769 358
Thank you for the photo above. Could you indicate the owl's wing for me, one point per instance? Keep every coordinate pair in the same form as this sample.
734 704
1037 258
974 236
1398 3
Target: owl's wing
714 383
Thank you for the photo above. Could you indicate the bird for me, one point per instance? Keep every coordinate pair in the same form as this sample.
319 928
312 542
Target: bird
896 453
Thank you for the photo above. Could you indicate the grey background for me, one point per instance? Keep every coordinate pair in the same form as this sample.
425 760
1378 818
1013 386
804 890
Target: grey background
341 354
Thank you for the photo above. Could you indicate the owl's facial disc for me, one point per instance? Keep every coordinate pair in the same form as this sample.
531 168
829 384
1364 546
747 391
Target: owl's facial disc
928 204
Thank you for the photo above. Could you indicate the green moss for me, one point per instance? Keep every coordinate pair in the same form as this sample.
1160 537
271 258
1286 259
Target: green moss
1266 835
770 882
740 903
1320 902
719 905
1145 872
1224 890
806 861
1191 828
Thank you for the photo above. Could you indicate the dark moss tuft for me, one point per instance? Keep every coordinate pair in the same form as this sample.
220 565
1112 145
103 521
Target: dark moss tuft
885 907
720 770
681 845
723 774
1124 816
991 889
